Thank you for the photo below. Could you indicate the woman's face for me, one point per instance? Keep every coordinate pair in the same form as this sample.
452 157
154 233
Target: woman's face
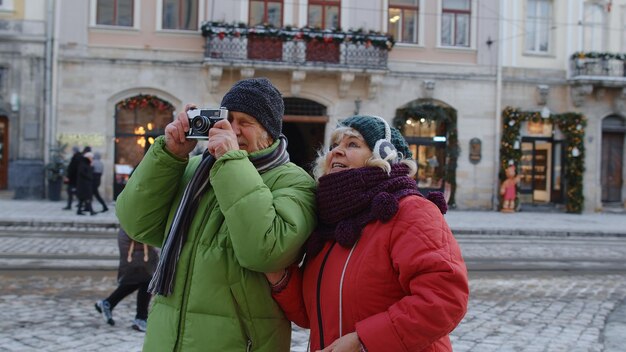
349 152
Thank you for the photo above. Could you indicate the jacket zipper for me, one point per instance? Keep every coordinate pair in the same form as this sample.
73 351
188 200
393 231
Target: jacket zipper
319 290
242 325
192 256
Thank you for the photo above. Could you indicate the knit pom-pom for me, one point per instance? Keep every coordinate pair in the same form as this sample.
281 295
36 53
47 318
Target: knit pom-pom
439 200
384 206
347 233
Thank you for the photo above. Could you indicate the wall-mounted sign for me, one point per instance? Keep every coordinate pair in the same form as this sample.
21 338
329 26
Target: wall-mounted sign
475 152
91 139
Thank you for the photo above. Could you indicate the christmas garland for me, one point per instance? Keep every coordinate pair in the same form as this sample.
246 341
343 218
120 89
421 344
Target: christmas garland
144 101
572 125
223 30
439 115
598 55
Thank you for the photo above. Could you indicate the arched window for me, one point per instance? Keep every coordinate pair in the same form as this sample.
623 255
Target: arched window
138 121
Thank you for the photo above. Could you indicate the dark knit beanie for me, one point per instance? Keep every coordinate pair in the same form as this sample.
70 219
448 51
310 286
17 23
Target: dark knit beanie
258 98
372 129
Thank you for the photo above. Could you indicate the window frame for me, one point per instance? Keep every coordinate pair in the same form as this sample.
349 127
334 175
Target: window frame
160 14
600 26
93 17
324 4
115 17
537 20
402 8
265 11
455 13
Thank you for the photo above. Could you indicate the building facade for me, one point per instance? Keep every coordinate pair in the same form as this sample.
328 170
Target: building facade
451 74
23 127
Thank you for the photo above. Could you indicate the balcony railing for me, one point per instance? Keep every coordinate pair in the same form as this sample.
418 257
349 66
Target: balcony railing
296 47
598 67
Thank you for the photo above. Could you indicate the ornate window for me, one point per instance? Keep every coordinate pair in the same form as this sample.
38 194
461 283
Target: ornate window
403 20
266 12
180 14
324 14
115 13
538 23
455 22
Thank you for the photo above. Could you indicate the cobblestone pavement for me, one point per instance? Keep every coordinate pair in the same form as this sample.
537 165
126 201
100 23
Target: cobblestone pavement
53 311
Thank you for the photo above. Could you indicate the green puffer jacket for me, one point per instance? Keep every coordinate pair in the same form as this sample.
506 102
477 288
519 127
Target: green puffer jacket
245 224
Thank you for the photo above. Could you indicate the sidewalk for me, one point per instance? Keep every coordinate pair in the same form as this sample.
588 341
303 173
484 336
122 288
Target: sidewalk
48 215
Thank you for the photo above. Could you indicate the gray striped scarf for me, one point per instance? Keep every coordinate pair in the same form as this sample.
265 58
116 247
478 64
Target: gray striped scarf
162 282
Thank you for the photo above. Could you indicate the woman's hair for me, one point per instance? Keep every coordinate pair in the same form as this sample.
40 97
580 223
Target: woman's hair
319 165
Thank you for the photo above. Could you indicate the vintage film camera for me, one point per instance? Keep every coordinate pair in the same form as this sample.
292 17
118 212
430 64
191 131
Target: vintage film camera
202 119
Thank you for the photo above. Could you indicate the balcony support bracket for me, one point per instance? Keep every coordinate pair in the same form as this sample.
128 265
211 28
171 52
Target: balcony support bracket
297 77
579 93
375 80
345 80
215 76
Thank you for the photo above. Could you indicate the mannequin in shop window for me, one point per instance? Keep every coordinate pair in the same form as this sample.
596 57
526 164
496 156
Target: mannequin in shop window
508 190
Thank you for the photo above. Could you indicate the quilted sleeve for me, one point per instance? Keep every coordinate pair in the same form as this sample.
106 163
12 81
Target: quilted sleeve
431 270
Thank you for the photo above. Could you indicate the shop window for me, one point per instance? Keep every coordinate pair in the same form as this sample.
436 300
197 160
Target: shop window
138 121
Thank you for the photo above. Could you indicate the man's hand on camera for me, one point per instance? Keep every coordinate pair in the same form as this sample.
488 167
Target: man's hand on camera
176 132
222 139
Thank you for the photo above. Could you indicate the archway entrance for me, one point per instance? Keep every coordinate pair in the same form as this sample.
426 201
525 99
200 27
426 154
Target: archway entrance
4 151
612 165
303 125
138 121
429 128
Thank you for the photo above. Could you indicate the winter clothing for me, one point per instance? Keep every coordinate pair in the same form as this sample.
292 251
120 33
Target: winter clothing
98 168
137 264
372 129
84 186
72 176
403 285
164 279
246 223
258 98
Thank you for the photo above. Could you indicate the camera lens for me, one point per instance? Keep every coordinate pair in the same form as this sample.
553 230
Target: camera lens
200 124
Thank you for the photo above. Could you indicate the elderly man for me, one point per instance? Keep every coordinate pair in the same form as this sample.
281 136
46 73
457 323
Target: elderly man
223 219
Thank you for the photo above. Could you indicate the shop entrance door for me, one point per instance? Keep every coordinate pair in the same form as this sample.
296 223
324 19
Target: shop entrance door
612 166
540 171
4 151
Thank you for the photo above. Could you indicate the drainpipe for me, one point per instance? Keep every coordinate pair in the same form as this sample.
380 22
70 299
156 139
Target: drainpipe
498 116
49 139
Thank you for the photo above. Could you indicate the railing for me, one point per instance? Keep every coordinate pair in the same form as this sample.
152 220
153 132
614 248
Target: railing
600 65
296 47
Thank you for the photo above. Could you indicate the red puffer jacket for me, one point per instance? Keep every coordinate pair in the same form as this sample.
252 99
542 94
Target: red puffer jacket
404 288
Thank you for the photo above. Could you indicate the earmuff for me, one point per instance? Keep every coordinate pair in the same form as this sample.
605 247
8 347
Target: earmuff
383 148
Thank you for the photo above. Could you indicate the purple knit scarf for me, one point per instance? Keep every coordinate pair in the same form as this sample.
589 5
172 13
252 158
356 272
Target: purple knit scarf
349 200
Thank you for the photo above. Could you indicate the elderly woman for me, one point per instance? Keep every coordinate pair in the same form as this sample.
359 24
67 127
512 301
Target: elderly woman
382 271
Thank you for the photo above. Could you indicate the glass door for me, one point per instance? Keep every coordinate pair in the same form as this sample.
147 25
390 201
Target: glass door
540 171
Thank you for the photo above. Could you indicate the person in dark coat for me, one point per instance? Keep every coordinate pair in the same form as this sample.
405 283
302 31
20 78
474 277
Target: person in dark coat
84 185
137 264
71 176
98 168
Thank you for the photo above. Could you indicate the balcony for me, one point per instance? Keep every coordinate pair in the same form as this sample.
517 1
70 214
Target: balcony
304 49
598 69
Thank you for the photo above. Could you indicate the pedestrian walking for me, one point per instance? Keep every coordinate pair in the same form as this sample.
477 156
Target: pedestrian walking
223 218
382 270
84 185
72 175
137 264
98 168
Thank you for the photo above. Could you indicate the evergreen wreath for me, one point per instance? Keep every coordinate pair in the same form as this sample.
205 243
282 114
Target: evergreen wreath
572 125
144 101
439 115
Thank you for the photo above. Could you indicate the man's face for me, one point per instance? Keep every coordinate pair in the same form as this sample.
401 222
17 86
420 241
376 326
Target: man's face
251 135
